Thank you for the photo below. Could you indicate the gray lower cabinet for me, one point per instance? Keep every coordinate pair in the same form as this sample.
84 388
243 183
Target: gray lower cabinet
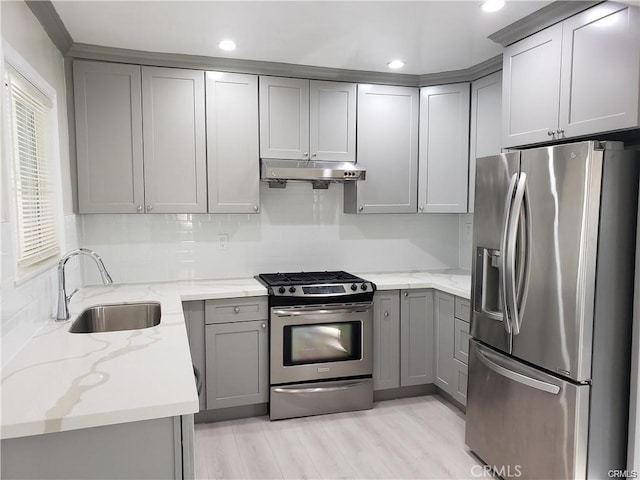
149 449
452 345
386 340
416 337
387 146
232 143
403 338
194 321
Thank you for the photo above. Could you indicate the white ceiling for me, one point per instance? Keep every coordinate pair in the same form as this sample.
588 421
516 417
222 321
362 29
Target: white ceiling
430 36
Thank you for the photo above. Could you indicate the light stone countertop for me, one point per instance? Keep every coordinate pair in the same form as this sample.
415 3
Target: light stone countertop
62 381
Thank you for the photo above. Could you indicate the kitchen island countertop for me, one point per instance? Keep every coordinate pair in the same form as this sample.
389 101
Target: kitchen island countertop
62 381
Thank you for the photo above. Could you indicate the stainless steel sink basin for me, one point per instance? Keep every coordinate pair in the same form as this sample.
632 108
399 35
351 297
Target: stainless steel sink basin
112 318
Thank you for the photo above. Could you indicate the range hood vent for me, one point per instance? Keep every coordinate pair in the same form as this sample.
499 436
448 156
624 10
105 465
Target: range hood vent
320 174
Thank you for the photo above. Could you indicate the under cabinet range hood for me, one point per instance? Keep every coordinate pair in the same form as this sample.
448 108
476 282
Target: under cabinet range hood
320 174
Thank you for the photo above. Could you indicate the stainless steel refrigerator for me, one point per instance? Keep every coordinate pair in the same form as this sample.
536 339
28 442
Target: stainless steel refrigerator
552 296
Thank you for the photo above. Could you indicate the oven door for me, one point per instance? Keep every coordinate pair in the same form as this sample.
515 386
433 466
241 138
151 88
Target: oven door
319 342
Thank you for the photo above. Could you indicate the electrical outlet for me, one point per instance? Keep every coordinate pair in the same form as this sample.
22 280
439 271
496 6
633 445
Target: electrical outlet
223 241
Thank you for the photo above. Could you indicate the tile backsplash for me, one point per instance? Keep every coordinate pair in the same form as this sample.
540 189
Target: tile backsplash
28 304
297 229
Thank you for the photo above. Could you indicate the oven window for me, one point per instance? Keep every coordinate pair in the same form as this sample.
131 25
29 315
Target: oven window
323 342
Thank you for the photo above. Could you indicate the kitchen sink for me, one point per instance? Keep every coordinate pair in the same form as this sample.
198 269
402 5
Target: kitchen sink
116 317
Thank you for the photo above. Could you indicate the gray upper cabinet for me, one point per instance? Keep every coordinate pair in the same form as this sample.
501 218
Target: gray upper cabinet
108 111
486 121
416 337
444 149
302 119
531 88
332 121
284 118
579 77
387 144
386 338
175 169
602 95
232 143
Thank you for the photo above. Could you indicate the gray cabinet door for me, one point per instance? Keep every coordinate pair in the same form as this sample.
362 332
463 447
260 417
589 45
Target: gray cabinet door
416 337
108 110
531 88
444 149
175 168
445 368
600 95
386 338
387 144
237 364
284 118
233 165
194 319
486 124
332 121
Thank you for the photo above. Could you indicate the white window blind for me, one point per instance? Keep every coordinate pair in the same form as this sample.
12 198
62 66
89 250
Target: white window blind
31 126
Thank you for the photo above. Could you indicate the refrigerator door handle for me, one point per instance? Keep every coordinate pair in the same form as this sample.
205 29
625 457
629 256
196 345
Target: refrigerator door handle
511 290
503 250
517 377
525 240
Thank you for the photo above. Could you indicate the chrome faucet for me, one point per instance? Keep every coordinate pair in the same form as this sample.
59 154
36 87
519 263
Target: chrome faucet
63 299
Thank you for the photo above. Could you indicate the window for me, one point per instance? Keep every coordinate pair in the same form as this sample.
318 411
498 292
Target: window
31 128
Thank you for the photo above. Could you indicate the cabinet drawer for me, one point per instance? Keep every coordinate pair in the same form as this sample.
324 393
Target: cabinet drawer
463 310
236 310
461 341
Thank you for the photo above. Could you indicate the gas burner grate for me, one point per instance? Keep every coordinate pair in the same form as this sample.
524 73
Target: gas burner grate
307 278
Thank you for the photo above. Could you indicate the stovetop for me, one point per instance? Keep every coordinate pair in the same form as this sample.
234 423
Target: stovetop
307 278
301 288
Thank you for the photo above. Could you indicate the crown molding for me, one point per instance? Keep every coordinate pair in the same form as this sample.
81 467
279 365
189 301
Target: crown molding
465 75
52 24
540 19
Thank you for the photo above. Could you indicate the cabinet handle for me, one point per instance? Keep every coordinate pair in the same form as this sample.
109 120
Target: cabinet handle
305 154
256 208
386 314
314 155
236 309
406 294
422 209
551 133
149 208
139 208
264 325
360 209
560 131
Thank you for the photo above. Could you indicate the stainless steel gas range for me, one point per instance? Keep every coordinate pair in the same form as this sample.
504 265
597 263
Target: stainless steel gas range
321 343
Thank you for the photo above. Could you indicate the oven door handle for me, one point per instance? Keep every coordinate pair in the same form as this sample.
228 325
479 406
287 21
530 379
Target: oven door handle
317 389
324 310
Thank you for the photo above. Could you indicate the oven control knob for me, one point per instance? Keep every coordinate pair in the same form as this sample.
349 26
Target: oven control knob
363 286
281 290
354 287
292 289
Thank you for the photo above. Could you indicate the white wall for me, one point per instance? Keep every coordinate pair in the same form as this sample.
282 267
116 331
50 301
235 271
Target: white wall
466 239
297 229
26 306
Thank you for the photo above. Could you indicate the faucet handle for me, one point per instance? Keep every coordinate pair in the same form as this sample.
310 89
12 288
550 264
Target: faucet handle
72 294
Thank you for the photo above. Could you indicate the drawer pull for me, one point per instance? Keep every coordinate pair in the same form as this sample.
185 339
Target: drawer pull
236 309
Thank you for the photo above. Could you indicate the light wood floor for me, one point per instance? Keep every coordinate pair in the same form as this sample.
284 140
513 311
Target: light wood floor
418 438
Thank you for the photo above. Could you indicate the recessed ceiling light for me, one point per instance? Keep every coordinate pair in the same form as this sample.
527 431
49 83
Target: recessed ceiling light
492 5
227 45
395 64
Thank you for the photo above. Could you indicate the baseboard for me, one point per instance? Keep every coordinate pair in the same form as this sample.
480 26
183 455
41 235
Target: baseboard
231 413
